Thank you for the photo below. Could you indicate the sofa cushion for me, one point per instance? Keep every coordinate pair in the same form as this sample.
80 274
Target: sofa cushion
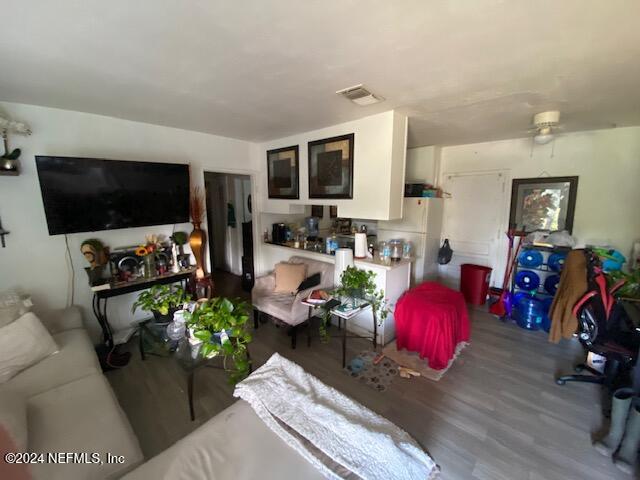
13 417
76 359
81 416
23 343
289 276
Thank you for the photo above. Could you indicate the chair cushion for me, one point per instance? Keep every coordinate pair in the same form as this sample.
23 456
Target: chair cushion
13 418
277 305
23 343
76 359
81 416
289 276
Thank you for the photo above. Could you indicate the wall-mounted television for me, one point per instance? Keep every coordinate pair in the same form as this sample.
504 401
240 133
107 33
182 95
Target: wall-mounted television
89 194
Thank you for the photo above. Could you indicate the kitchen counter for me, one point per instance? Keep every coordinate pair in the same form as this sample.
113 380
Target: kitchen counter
325 257
393 280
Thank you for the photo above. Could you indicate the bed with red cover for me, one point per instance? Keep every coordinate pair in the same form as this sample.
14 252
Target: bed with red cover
432 320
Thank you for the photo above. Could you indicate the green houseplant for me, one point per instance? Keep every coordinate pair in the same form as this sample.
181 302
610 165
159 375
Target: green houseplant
356 284
162 301
631 287
217 315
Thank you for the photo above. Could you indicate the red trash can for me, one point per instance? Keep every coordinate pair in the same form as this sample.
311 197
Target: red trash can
474 283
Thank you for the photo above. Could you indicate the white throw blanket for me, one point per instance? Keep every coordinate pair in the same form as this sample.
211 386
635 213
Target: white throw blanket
312 417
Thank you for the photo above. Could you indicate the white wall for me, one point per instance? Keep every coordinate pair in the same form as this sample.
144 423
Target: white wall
607 162
379 157
421 165
35 261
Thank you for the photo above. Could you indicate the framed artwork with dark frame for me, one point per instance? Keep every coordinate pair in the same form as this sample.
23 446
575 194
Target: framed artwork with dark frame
544 203
283 170
317 211
331 167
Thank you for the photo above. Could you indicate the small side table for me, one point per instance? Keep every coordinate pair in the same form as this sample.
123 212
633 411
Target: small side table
312 306
154 341
204 287
346 316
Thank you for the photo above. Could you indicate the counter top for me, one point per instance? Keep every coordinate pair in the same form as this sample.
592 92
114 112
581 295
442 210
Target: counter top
325 257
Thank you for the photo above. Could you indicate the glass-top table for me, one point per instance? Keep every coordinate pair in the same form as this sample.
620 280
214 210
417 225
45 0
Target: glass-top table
348 309
153 340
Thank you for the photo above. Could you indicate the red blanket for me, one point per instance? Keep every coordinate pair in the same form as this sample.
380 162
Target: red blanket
432 319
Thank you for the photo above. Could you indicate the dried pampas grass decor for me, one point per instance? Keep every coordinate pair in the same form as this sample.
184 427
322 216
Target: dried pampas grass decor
196 205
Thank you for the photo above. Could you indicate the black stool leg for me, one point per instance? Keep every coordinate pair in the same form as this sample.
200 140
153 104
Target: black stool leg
294 335
256 318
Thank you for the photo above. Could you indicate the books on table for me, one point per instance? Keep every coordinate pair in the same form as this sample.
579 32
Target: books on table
318 297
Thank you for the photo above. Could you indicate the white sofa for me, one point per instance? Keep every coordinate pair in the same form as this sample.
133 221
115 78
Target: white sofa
71 407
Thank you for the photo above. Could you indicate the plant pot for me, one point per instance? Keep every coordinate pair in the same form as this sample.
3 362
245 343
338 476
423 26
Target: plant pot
159 318
197 240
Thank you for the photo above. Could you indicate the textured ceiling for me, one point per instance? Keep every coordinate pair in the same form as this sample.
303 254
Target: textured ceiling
463 70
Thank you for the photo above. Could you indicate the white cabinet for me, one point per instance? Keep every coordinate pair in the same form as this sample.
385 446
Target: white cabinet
393 281
380 146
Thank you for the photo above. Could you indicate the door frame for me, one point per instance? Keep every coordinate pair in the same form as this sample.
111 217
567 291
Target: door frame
255 207
500 235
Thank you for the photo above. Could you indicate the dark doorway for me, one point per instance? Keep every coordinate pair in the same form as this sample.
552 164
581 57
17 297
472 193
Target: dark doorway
229 217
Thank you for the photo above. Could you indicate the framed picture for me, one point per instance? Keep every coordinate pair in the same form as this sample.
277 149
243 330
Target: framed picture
331 167
546 203
283 173
333 211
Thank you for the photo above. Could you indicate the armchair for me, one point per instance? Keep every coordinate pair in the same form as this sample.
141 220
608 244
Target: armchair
284 307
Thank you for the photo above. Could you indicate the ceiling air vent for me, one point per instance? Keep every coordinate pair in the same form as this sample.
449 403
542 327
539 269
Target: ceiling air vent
359 95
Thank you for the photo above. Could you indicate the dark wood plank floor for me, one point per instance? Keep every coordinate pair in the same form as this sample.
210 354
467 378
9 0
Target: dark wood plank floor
496 414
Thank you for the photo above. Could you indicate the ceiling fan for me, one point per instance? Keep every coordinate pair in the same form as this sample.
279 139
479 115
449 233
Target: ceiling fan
544 125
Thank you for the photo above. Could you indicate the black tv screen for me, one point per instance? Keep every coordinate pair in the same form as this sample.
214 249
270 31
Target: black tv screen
88 194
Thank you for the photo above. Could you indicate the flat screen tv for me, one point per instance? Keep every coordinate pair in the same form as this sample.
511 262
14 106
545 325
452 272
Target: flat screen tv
89 194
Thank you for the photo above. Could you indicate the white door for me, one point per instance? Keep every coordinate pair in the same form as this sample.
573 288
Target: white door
475 222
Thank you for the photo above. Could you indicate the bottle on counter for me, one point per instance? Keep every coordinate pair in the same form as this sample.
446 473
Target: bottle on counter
407 249
386 253
334 244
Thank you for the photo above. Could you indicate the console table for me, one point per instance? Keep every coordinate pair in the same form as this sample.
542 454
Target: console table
108 357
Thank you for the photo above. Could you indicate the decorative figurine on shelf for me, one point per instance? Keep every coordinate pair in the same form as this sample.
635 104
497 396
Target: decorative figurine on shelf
97 255
180 239
198 237
9 160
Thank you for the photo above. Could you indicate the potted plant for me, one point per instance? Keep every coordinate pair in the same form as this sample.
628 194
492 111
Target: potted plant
355 285
162 301
631 287
220 324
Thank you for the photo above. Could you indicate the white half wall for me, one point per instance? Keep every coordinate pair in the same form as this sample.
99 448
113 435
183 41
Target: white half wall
606 161
378 168
33 261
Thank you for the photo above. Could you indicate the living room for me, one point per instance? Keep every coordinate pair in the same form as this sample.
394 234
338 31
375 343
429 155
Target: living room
449 111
